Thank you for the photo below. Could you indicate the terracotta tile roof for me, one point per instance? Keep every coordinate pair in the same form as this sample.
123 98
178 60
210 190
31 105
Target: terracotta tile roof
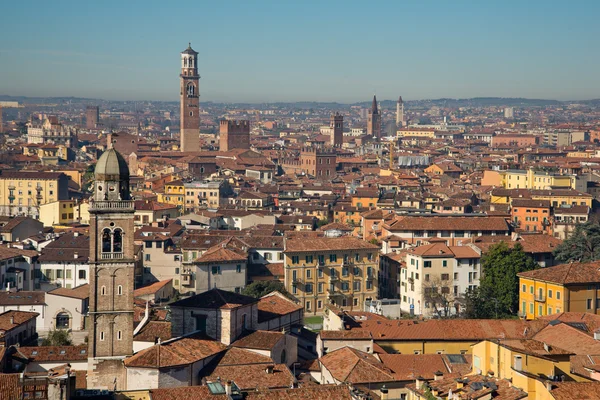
10 387
442 250
255 376
353 334
585 365
455 329
575 390
215 298
578 319
153 330
22 298
62 354
324 244
448 223
565 274
151 289
80 292
70 241
239 356
181 351
534 347
475 387
18 317
407 367
354 366
570 339
530 203
186 393
219 253
261 340
337 226
274 305
532 243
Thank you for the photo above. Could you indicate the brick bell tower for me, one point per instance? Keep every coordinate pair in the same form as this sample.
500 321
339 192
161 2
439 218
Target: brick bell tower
190 101
110 334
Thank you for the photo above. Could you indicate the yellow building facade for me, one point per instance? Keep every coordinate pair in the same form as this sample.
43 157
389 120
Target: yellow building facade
538 298
529 179
174 193
343 271
22 193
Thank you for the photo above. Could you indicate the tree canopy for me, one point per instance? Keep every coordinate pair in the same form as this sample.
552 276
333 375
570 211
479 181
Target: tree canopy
260 288
583 245
498 292
58 337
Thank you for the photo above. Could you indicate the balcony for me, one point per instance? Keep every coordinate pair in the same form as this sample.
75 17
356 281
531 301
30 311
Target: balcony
540 298
348 263
108 206
186 279
297 281
334 278
111 256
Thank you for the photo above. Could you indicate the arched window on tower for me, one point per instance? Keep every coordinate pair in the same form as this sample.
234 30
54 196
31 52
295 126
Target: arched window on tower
190 89
106 241
185 62
117 241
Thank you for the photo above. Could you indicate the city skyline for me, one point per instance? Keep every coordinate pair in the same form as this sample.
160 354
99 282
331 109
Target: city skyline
271 52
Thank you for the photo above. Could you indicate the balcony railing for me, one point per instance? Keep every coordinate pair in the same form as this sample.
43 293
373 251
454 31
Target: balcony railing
297 281
334 278
111 256
118 205
540 298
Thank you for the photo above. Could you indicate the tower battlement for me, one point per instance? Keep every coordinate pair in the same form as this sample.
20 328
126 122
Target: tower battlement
235 126
234 134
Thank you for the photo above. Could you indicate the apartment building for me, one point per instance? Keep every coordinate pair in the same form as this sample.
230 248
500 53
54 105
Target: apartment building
418 230
573 287
436 277
343 271
203 195
22 193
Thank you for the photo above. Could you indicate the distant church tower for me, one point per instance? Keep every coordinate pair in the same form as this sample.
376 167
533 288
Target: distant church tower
336 123
400 113
111 274
374 120
190 101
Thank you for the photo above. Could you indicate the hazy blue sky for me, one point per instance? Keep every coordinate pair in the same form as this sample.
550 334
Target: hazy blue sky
262 51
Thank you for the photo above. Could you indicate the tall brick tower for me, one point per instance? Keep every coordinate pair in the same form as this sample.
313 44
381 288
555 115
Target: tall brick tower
1 121
400 113
92 117
190 101
234 135
374 120
111 274
336 123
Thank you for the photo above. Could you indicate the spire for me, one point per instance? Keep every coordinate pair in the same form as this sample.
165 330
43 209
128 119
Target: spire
400 99
374 105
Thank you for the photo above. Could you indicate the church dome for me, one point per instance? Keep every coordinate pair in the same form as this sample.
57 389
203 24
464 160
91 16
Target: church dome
111 166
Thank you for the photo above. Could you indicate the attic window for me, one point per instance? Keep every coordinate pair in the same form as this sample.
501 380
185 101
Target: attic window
34 353
82 352
63 352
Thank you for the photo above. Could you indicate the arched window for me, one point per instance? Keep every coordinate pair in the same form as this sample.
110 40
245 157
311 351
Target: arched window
191 89
103 291
119 290
117 241
185 62
106 241
283 357
62 320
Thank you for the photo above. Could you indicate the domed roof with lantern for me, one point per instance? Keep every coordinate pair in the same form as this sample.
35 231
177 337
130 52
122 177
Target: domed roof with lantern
111 166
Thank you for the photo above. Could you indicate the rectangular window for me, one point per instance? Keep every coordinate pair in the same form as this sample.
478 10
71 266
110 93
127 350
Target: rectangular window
59 274
319 304
295 259
238 268
320 272
82 274
444 263
333 258
320 287
524 288
530 308
426 264
531 289
68 272
308 288
345 271
309 259
148 244
308 274
147 256
557 295
589 304
549 293
216 270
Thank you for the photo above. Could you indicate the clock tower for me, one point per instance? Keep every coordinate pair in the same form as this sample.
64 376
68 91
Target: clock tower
190 101
111 260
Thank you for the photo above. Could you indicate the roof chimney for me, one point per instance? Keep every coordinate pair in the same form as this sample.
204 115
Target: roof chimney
384 393
419 382
228 388
12 319
438 375
75 255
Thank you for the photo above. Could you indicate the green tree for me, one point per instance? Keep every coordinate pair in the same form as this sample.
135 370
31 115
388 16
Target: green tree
583 245
322 222
260 288
498 292
58 337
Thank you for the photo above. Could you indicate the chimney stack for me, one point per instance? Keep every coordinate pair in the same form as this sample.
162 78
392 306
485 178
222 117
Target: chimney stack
12 320
438 375
384 393
228 388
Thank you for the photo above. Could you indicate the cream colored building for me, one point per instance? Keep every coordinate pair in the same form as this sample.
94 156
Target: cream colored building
343 271
22 193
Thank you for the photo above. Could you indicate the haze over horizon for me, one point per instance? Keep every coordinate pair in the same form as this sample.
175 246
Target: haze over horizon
303 51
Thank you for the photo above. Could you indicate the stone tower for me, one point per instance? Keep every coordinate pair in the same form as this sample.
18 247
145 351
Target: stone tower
92 117
234 135
400 113
336 123
374 120
111 259
190 101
